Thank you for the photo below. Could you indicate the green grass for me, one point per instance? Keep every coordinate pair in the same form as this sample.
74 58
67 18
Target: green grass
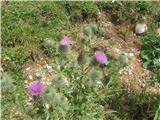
26 25
150 53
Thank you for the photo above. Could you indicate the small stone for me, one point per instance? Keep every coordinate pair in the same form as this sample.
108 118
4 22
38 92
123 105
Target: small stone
131 54
28 68
140 28
47 105
37 74
99 12
30 77
116 49
120 71
49 67
99 83
29 103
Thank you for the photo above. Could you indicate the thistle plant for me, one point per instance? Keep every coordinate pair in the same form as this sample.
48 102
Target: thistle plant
96 74
64 45
82 58
75 88
124 59
90 30
54 98
94 27
60 81
50 46
6 83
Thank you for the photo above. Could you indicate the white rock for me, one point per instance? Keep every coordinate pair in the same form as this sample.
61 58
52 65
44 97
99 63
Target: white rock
47 105
140 28
116 49
30 77
158 31
48 83
28 68
38 74
131 54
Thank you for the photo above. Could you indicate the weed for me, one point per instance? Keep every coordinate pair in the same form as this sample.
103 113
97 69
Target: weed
81 10
80 90
150 52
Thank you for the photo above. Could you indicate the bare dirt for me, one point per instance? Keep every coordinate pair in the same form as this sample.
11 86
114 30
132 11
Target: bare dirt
39 69
119 39
119 43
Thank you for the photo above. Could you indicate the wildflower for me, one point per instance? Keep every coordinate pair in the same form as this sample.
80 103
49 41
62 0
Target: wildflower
65 41
100 57
35 88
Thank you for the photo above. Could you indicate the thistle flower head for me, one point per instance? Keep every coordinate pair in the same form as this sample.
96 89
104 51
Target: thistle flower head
100 57
65 41
35 88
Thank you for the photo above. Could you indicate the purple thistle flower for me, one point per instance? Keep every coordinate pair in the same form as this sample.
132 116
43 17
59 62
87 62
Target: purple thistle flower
100 57
65 41
35 88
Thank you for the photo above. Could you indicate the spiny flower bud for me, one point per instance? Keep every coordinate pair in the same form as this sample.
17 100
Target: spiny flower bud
6 84
53 97
82 58
60 81
94 27
49 43
96 74
87 31
124 59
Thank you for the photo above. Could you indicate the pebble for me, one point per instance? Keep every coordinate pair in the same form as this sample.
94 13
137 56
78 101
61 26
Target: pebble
49 68
30 77
99 83
140 28
47 105
99 12
28 68
131 54
116 49
38 74
47 82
